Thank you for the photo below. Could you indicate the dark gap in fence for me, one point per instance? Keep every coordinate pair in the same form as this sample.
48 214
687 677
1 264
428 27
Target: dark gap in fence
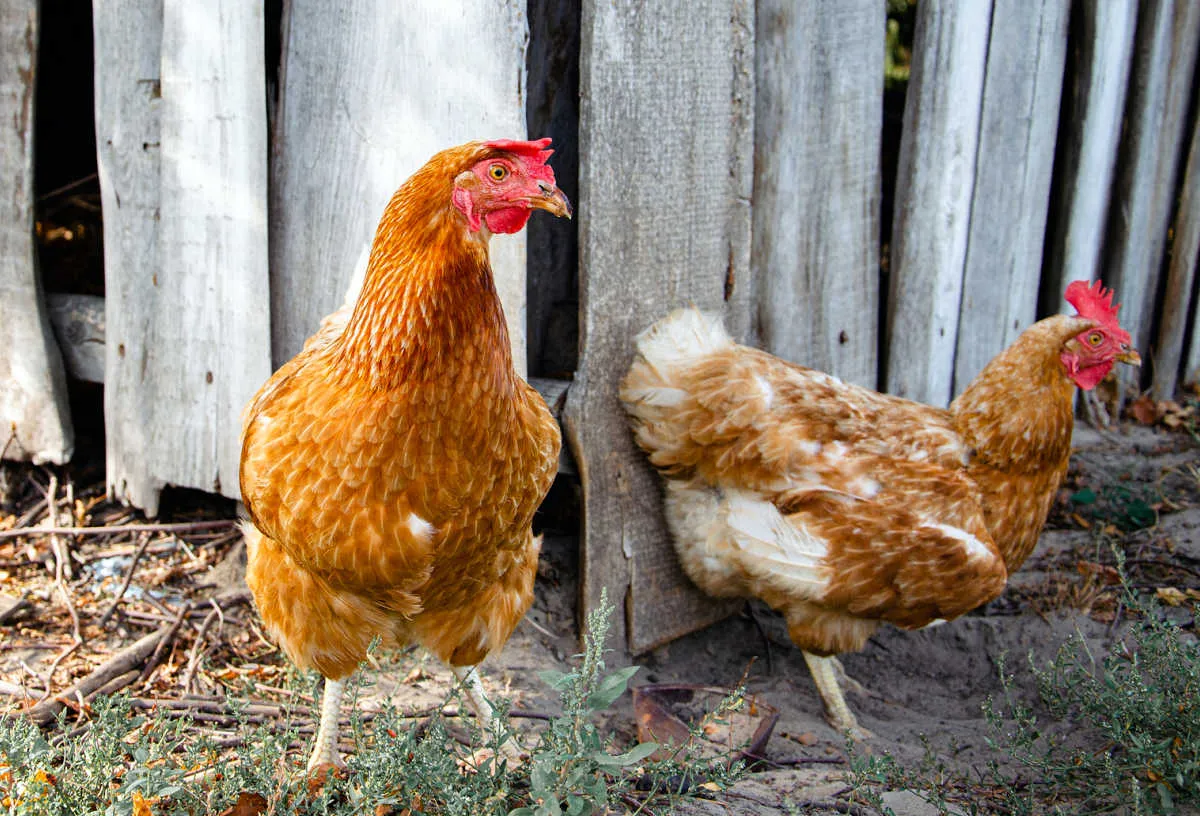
1049 287
275 19
552 109
67 190
901 22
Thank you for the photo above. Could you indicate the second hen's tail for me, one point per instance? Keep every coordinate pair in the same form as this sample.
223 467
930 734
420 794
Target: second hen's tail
655 391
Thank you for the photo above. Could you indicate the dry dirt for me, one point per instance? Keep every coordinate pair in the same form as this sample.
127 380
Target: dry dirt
1144 493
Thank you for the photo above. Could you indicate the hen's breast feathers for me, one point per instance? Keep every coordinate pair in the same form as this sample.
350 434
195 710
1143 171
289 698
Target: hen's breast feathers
788 484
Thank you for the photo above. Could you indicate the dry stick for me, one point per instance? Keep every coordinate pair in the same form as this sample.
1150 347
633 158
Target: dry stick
49 681
180 527
60 569
164 645
121 663
128 577
195 655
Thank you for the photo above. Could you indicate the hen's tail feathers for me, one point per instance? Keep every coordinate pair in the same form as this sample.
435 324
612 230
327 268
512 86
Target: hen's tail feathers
655 389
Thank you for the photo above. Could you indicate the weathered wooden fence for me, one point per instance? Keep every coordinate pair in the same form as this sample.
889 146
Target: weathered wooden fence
728 155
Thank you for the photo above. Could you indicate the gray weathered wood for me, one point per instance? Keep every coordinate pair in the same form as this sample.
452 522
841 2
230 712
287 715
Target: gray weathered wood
78 322
127 36
1017 132
202 345
1092 109
818 83
665 178
1181 278
933 196
35 422
1165 58
370 90
1191 365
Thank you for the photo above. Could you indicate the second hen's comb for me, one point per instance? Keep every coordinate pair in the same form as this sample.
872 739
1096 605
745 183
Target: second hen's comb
1094 302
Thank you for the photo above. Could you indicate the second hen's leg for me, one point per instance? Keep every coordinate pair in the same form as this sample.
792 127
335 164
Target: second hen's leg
478 701
825 672
325 747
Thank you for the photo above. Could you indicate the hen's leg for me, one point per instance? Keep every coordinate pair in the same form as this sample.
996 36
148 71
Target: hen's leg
478 701
325 749
825 671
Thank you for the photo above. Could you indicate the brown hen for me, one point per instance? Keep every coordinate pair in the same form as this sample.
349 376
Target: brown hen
391 469
844 508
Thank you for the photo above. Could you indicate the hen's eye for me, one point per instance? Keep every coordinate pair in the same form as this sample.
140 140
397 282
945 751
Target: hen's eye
498 172
1095 338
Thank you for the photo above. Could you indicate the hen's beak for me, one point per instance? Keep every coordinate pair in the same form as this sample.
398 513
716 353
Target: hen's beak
1129 355
552 200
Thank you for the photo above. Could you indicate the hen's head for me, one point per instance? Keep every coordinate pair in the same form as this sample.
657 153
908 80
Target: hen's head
1089 355
505 182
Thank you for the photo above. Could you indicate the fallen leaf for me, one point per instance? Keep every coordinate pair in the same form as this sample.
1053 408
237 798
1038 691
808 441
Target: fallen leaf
711 786
1171 596
247 804
141 805
1145 410
1106 574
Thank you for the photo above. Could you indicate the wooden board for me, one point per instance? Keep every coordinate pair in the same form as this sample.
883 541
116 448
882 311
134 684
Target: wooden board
35 422
370 90
664 190
1018 129
1181 281
818 84
188 317
1093 104
933 197
1144 196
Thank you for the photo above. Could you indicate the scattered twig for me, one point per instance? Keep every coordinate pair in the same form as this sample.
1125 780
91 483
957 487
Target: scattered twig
180 527
112 607
164 645
197 651
62 569
49 682
119 664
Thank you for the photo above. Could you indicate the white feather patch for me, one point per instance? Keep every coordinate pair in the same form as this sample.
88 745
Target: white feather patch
681 338
974 547
772 547
421 529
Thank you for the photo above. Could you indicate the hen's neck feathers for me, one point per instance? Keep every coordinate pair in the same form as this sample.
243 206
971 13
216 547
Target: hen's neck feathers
1018 413
428 305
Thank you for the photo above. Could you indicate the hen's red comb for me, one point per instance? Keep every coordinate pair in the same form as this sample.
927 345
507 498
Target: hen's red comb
1094 302
533 150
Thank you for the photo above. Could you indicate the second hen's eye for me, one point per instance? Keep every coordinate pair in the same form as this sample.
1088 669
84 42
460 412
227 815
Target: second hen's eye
1095 338
498 172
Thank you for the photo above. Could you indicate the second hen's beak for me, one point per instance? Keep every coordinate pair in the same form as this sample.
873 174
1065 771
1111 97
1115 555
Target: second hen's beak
1129 355
552 200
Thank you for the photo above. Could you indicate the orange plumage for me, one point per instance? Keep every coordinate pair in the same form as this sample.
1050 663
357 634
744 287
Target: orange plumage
392 468
842 507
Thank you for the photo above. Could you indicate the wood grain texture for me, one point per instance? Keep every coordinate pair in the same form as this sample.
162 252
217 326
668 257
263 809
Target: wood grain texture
35 422
370 89
1017 133
1181 284
665 178
1093 105
128 38
933 197
1168 38
818 82
190 321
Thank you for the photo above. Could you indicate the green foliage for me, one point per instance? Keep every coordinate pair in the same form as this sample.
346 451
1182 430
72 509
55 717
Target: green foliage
124 760
1116 734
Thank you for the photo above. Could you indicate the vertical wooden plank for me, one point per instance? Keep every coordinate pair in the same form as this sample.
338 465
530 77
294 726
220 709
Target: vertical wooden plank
35 422
370 90
128 37
1181 277
818 83
665 177
933 196
1168 38
1101 53
192 341
1017 134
